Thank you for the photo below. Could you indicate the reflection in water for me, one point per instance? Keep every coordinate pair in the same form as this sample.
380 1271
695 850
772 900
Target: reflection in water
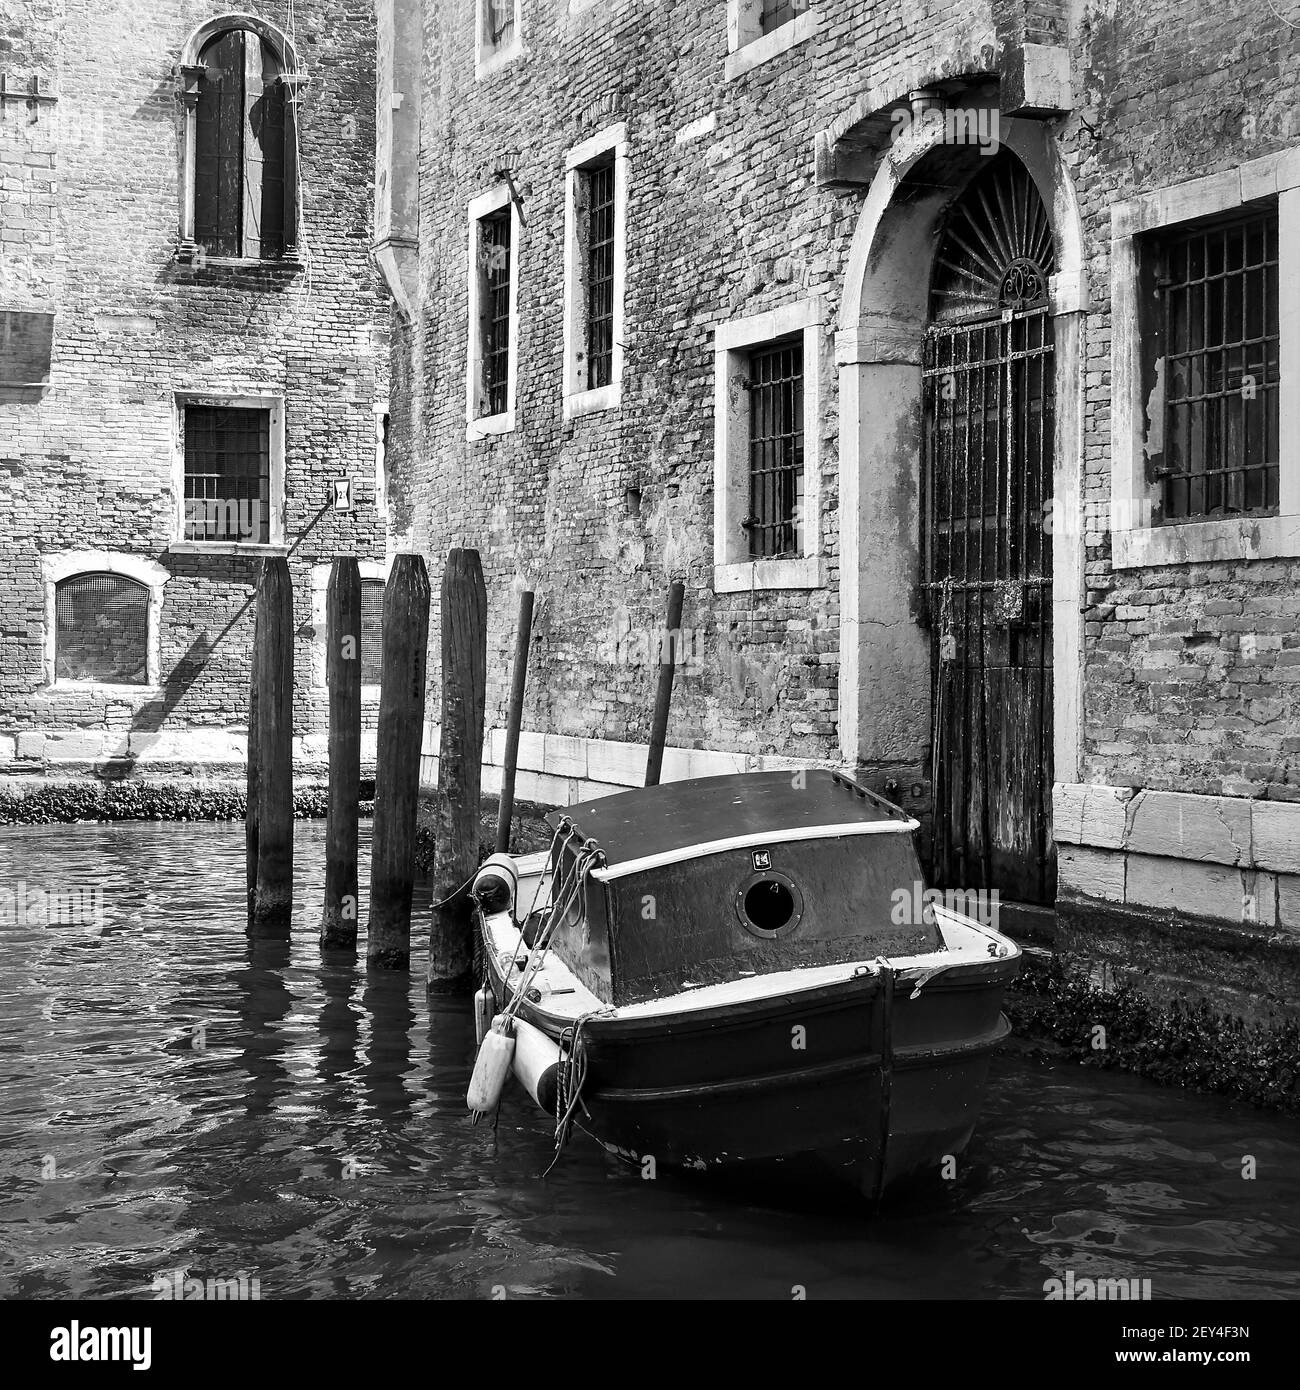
317 1138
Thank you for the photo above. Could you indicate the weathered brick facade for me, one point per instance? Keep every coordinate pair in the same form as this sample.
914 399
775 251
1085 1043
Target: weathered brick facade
91 213
755 190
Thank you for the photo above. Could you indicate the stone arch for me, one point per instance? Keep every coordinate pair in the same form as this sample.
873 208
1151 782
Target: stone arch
219 24
884 651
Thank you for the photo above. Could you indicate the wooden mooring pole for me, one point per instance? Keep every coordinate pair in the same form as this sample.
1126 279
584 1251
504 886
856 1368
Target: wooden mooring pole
397 763
273 665
343 676
664 693
251 768
460 771
514 719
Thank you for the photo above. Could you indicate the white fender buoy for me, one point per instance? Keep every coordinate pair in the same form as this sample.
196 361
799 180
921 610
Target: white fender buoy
496 884
491 1067
537 1064
485 1006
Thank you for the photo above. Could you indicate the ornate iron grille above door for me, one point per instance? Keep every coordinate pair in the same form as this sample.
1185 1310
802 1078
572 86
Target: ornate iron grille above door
989 423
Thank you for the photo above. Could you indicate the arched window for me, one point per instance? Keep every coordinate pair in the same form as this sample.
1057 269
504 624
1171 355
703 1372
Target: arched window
102 629
241 186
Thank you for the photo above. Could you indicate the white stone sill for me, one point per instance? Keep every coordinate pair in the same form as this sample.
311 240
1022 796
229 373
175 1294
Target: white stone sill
755 575
591 402
487 425
488 65
1245 538
118 692
253 549
763 49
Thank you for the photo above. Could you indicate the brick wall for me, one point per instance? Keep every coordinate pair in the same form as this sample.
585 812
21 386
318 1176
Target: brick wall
729 224
1192 676
90 228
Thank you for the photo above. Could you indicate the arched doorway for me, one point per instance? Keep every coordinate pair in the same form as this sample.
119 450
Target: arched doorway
988 411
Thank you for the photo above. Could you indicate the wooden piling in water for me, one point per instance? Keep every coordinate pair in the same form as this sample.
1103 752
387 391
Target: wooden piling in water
514 719
343 676
460 771
397 763
250 766
664 692
273 662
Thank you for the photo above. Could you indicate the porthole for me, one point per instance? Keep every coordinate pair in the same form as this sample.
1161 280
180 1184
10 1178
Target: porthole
769 905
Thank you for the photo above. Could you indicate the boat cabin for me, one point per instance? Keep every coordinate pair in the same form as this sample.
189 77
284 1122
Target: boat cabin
719 878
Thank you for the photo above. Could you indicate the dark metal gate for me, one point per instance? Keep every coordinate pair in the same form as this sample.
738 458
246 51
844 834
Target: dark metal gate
987 558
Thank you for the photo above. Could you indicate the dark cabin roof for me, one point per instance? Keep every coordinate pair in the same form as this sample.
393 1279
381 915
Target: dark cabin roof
681 820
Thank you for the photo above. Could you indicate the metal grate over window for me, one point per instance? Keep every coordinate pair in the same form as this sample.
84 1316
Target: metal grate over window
498 22
599 187
101 629
494 250
227 473
1219 287
775 449
372 625
775 13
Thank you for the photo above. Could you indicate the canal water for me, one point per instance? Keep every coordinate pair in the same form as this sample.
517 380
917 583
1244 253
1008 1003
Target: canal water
176 1101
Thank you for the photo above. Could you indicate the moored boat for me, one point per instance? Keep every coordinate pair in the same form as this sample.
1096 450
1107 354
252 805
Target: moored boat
741 973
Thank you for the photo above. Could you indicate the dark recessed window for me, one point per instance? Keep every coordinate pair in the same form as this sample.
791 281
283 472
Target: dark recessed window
244 186
775 449
775 13
372 616
1216 288
596 210
494 311
498 23
227 474
101 630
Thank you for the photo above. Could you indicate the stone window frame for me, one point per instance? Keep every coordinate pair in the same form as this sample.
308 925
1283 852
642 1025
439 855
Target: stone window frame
581 401
272 402
479 426
58 565
748 47
190 72
489 60
1134 546
370 570
733 572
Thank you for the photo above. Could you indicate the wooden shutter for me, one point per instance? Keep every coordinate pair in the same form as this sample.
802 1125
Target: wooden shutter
218 133
264 144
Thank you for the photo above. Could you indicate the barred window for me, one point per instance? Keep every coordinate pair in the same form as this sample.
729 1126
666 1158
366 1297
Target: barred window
244 184
775 449
227 473
372 616
775 13
498 22
1217 288
494 311
101 629
597 213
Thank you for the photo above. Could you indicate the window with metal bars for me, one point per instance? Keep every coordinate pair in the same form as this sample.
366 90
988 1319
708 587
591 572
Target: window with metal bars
227 473
372 624
494 311
498 22
775 13
101 630
1217 288
776 429
597 186
244 186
